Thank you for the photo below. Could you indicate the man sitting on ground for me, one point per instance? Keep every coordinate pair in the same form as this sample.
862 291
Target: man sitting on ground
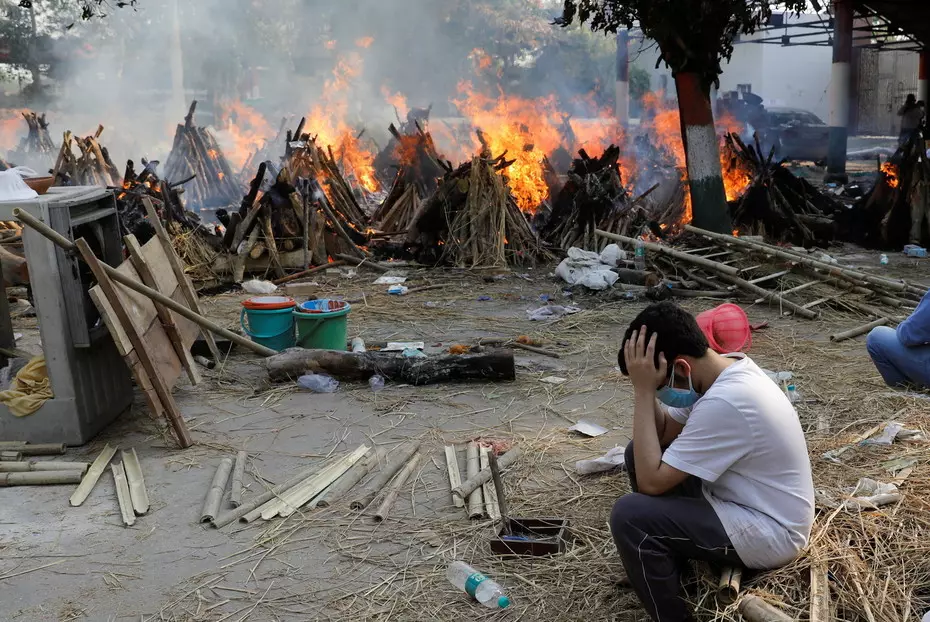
902 355
720 472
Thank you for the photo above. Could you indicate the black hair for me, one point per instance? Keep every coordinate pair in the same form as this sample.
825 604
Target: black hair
679 333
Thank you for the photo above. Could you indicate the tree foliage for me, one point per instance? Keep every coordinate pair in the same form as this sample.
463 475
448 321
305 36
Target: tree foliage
693 35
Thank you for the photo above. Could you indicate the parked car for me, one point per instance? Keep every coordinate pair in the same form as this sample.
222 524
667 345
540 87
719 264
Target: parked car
797 134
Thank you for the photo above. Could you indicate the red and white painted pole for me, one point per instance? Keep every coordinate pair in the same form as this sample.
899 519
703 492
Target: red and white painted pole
623 78
923 78
702 154
839 90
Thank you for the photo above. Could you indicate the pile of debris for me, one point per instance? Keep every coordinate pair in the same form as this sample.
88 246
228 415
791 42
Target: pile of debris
197 162
92 167
892 213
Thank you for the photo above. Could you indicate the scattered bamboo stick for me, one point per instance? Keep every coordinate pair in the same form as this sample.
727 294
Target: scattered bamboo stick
35 465
770 296
754 609
123 496
503 511
46 449
235 490
137 492
455 476
265 497
820 592
303 273
472 468
211 505
478 480
391 495
728 587
384 476
10 456
93 474
671 252
40 478
852 333
489 490
351 477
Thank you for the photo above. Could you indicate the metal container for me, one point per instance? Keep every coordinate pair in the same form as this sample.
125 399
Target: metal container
532 536
91 382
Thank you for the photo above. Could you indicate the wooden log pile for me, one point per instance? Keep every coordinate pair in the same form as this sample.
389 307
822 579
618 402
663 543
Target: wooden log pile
197 161
89 166
777 204
885 216
36 149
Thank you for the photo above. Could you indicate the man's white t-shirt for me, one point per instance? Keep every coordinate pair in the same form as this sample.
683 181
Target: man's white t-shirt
744 440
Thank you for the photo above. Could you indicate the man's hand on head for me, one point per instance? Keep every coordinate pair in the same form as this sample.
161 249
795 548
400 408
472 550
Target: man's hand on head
640 358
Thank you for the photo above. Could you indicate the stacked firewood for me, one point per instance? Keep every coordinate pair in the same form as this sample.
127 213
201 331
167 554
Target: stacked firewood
38 143
268 151
197 161
777 204
91 166
473 221
884 217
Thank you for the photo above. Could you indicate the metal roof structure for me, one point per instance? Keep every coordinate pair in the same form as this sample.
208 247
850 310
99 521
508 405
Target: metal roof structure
879 24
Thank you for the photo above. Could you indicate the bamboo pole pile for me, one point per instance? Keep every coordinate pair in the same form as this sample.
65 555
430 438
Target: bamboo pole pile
36 149
197 161
89 166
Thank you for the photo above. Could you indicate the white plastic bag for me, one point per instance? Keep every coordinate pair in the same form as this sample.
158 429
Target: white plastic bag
612 255
13 188
256 286
611 460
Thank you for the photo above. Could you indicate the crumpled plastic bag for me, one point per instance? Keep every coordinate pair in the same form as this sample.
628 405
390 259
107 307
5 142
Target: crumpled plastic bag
867 494
13 188
612 255
256 286
585 268
893 431
550 312
30 389
609 461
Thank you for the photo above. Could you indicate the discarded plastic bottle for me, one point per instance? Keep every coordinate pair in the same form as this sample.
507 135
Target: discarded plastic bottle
376 383
883 260
792 393
486 591
318 383
639 258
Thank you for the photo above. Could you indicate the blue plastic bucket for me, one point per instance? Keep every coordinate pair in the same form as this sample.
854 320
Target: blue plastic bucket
270 321
322 324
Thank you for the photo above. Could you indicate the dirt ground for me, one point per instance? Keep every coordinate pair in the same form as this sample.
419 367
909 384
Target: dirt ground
62 563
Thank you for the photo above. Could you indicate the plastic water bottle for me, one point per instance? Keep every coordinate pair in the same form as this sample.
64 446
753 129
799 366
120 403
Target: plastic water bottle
486 591
883 260
318 383
639 258
376 383
792 393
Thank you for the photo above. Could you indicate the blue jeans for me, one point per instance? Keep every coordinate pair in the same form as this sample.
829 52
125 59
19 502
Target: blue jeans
898 364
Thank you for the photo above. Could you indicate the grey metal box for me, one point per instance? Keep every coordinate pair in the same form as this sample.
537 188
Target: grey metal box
91 382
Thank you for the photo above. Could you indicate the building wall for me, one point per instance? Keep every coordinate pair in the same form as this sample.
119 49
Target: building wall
885 79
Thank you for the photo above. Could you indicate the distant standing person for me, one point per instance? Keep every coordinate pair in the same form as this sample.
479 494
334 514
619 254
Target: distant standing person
902 355
911 114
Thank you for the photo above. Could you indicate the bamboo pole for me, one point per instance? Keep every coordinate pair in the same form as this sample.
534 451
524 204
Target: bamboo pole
502 512
351 477
40 478
211 505
472 483
770 296
489 489
852 333
35 465
728 587
10 456
260 500
391 495
303 273
27 449
123 496
137 492
754 609
384 476
235 491
820 592
671 252
472 467
455 476
134 285
354 261
853 276
93 474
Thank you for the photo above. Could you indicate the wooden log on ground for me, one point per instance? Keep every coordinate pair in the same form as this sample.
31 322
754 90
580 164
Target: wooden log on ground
363 500
469 485
492 365
40 478
303 273
852 333
671 252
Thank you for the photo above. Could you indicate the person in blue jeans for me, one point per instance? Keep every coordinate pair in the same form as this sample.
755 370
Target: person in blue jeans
902 355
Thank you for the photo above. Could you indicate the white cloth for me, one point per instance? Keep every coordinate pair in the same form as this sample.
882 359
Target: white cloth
743 438
586 268
13 188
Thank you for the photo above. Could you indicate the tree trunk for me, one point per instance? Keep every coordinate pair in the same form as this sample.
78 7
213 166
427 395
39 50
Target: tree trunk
702 154
491 365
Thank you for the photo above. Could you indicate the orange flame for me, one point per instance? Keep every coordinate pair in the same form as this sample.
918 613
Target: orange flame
397 100
245 131
330 45
11 128
364 42
890 171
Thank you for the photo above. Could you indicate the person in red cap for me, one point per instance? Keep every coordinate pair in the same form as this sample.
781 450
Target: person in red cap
720 472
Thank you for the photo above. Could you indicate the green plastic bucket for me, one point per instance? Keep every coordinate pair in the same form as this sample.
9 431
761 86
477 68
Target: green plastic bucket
270 321
322 324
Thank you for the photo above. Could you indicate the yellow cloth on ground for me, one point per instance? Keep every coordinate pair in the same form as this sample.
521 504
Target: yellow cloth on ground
29 390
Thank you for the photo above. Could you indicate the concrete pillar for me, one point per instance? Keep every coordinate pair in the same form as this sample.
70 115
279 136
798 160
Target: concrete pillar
923 78
623 78
176 104
839 90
